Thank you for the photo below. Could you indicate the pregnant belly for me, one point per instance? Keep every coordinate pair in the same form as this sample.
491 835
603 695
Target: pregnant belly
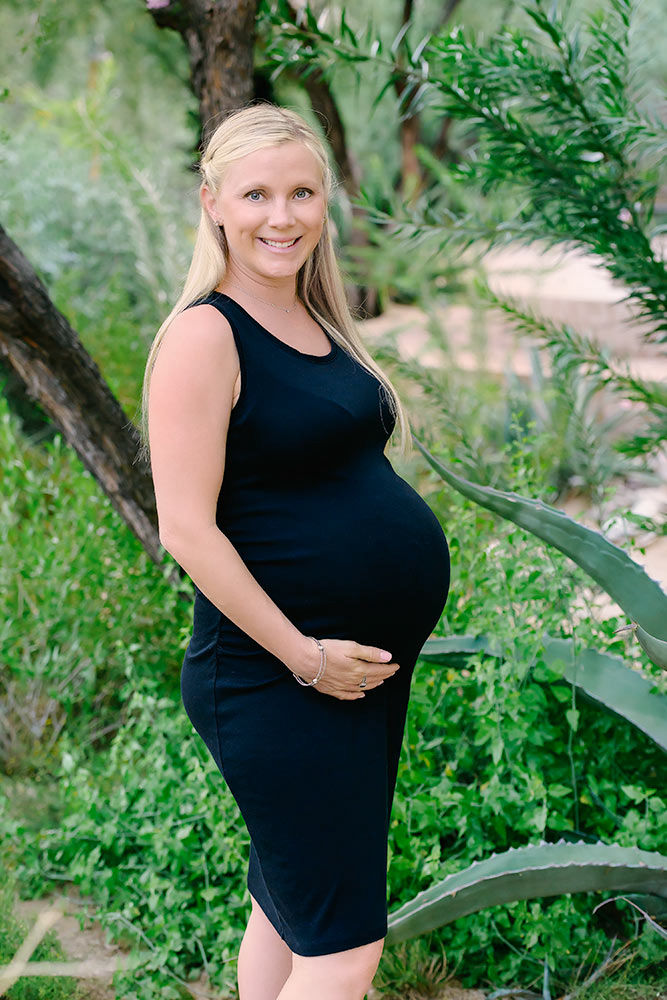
367 561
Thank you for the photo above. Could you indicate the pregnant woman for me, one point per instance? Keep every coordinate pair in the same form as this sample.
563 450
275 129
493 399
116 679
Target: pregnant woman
318 571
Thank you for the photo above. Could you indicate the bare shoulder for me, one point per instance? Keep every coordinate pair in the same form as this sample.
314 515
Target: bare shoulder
201 335
189 405
192 383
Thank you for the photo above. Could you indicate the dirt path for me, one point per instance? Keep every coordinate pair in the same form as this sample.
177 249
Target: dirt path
86 943
90 943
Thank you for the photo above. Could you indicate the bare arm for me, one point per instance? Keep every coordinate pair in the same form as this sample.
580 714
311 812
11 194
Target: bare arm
191 395
190 404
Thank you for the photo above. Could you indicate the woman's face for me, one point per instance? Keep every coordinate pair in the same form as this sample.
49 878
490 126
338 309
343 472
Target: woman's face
273 196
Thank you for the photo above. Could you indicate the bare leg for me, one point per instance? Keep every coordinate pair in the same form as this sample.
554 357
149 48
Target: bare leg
343 975
265 961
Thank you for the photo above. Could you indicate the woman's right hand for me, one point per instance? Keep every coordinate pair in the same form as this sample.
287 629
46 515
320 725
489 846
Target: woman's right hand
348 662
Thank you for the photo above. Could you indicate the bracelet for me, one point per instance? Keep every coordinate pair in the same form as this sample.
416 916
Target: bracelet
323 663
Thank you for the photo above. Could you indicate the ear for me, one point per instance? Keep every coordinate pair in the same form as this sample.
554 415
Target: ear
209 204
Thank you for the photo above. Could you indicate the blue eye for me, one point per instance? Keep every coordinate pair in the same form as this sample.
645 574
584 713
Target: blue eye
299 191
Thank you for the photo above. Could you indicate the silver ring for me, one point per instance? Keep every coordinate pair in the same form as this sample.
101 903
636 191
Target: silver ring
362 683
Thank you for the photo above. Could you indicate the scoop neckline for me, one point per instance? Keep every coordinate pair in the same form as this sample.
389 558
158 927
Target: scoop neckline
317 358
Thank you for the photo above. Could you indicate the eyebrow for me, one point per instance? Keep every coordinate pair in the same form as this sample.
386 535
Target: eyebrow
251 185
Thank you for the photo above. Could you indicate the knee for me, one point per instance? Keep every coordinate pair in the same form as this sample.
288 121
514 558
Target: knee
348 974
359 968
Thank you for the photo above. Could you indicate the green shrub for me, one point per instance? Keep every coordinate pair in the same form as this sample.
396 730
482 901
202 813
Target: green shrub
79 599
149 830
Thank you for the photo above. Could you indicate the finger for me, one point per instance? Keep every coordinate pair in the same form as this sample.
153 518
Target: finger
372 678
371 682
373 654
343 694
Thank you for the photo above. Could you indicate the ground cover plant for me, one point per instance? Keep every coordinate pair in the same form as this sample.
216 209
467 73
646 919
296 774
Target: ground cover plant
146 827
65 644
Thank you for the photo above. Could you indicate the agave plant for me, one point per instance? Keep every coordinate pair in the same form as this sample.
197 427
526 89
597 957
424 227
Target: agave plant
626 582
551 869
599 676
528 872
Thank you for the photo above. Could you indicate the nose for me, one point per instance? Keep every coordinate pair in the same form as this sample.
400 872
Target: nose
281 213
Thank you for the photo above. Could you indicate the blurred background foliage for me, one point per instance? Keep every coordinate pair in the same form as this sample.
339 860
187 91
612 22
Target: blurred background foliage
99 134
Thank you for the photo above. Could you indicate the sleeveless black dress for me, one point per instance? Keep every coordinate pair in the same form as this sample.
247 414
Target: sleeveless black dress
347 550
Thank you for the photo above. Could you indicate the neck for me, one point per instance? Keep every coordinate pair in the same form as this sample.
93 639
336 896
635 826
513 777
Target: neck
281 293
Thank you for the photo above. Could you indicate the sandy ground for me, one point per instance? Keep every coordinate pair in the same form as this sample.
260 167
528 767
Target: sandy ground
87 943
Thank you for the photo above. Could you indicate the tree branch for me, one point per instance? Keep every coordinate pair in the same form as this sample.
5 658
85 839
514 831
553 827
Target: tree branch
57 371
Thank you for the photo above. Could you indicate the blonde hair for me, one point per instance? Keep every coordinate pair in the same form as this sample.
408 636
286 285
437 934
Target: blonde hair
319 283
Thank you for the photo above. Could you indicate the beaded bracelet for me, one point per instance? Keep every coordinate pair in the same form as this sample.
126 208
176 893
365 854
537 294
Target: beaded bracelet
323 663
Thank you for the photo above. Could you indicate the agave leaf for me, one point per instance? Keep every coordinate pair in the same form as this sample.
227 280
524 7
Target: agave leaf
655 906
607 680
455 648
655 649
526 873
625 581
601 676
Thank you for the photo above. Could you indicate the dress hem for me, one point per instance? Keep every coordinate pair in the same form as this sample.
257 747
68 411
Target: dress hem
328 947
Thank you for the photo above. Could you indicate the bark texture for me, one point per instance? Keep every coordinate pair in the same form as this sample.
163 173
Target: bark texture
39 345
220 39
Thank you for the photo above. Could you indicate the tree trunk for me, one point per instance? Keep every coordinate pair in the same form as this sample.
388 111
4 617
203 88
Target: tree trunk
220 39
45 352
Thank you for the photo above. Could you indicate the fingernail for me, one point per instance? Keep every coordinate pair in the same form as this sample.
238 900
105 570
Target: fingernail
384 655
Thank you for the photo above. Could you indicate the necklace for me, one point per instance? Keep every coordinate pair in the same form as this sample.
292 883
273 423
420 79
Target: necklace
282 308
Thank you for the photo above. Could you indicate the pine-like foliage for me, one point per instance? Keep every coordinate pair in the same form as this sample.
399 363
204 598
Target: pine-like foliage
555 127
555 117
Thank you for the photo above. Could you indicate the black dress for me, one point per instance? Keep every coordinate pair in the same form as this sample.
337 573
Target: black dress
347 550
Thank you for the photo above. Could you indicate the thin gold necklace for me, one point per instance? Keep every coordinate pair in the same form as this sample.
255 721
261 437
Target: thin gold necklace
252 294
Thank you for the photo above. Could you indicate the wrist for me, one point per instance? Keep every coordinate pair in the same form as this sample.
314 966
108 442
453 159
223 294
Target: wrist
306 661
323 664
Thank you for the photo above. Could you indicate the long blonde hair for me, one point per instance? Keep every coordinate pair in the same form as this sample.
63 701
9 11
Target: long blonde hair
319 284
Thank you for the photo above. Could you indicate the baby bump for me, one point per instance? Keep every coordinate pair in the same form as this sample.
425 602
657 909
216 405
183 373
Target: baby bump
373 567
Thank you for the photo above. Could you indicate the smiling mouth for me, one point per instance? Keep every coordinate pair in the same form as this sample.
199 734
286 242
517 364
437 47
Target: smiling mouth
279 244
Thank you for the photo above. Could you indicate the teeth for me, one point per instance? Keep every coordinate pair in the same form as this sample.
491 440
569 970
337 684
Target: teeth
275 243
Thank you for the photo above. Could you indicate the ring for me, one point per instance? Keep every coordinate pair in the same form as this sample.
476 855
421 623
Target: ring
362 683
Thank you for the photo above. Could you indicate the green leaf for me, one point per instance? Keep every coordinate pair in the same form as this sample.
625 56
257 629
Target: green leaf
655 649
625 581
607 680
447 649
526 873
600 676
